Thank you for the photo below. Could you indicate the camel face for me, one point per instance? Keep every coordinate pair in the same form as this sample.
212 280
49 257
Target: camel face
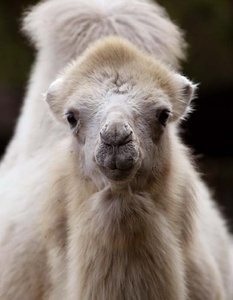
120 135
120 106
131 132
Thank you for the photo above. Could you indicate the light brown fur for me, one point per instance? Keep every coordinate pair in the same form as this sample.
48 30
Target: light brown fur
60 30
153 235
59 195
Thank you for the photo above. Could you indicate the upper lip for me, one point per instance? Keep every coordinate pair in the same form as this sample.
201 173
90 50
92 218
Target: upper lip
114 167
117 144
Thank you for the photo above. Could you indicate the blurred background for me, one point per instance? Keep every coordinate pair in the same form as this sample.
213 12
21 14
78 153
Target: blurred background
208 27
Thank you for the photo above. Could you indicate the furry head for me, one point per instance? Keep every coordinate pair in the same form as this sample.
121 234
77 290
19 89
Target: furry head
120 104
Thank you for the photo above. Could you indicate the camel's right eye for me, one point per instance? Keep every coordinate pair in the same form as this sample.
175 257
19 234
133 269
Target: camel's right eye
71 119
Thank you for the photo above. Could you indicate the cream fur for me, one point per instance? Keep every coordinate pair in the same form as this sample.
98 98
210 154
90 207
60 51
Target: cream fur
154 234
60 197
60 30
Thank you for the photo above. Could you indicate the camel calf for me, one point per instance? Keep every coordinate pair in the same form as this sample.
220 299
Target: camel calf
114 209
134 220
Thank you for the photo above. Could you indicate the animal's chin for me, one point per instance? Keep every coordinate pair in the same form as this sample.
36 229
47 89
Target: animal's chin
118 174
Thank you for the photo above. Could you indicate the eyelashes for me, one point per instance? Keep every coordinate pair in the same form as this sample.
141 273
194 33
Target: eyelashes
71 119
164 116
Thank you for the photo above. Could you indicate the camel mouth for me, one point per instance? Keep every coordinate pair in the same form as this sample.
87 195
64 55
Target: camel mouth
116 174
117 163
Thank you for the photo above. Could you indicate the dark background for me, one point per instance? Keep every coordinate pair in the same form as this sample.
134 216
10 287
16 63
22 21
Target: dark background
208 29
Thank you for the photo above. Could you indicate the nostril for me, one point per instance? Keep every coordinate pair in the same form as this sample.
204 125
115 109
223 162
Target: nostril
126 139
105 140
116 134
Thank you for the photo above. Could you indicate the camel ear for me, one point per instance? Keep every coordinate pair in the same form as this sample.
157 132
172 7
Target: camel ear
54 98
186 93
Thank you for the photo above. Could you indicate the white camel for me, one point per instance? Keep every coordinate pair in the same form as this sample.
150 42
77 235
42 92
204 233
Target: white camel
134 219
116 210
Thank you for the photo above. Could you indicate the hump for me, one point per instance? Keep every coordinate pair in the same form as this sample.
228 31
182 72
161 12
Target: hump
67 28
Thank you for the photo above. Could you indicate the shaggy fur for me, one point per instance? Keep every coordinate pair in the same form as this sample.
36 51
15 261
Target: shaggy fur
60 30
155 234
72 229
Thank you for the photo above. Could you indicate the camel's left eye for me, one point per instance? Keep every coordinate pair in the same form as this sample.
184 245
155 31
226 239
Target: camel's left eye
71 119
163 116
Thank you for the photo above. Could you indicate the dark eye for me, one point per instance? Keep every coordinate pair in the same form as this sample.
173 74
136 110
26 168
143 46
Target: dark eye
71 119
163 116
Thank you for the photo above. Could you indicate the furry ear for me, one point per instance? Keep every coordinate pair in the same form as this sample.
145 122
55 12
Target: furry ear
54 98
186 93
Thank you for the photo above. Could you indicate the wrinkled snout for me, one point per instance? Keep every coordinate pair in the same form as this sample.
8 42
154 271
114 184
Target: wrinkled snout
116 133
117 152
